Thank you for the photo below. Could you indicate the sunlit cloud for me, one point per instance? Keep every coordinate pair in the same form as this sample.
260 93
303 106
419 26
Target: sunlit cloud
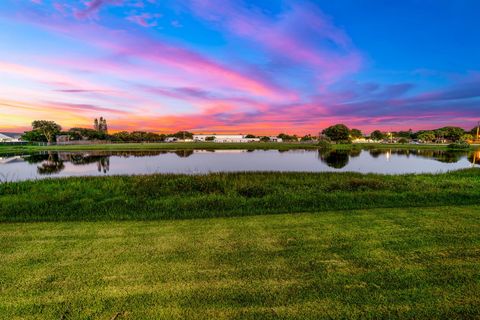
196 65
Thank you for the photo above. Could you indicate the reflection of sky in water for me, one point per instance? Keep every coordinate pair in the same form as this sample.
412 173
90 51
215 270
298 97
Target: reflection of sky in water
373 161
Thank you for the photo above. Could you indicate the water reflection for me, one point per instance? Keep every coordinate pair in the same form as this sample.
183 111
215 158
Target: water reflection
474 158
184 153
340 158
334 158
389 161
439 155
52 162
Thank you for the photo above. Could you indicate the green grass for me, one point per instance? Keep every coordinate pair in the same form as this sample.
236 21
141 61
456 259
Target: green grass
154 197
162 146
412 263
212 146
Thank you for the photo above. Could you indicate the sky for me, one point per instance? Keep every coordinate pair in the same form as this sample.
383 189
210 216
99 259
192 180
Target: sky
240 66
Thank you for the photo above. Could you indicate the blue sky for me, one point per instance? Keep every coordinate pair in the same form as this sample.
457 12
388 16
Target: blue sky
240 66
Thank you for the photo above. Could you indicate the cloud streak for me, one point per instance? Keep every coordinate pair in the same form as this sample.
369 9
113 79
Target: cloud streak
234 67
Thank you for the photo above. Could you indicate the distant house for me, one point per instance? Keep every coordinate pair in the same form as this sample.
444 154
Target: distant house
223 138
275 139
10 137
62 139
171 139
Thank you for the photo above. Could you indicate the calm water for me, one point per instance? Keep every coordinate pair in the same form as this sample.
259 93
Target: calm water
95 163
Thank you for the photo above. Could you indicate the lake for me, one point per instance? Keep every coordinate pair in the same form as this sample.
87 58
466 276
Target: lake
98 163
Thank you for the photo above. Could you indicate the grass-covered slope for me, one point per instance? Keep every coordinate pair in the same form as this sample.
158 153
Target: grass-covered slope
416 263
235 194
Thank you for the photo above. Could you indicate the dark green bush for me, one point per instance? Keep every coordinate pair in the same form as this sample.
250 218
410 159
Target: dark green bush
461 145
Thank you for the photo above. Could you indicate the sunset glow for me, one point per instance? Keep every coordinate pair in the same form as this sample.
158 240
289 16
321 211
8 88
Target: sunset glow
259 67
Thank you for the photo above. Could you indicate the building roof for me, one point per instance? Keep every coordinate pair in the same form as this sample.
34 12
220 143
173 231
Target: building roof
220 135
10 135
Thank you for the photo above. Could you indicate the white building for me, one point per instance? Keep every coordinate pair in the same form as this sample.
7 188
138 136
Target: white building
276 139
9 137
223 138
171 139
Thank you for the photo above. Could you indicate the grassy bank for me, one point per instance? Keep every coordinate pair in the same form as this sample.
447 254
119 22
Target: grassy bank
213 146
164 146
233 194
367 264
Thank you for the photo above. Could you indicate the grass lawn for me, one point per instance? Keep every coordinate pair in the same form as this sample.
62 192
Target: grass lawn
420 263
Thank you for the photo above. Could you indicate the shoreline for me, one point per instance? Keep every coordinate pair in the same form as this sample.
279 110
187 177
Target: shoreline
219 146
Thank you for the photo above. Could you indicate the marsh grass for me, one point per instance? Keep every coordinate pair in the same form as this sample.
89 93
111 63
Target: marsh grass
157 196
411 263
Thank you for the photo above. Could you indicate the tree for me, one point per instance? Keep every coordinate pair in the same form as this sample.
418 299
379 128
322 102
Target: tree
121 136
426 136
100 125
307 137
103 125
286 137
452 133
48 128
467 137
250 136
34 136
338 132
356 134
265 139
377 135
475 132
212 138
403 134
183 135
86 133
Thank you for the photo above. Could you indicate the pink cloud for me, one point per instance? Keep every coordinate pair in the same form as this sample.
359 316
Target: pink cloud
93 6
145 19
303 34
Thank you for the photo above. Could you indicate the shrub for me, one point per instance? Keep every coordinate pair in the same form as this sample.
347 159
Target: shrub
324 143
462 145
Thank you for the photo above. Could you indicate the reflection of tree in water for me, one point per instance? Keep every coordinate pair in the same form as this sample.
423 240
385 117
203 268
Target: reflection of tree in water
102 161
375 153
355 153
448 156
334 158
103 164
184 153
439 155
53 164
137 153
36 158
474 157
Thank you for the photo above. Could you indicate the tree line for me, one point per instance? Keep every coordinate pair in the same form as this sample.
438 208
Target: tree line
342 134
49 131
